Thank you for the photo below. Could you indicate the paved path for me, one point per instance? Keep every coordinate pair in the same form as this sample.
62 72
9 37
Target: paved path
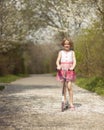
33 103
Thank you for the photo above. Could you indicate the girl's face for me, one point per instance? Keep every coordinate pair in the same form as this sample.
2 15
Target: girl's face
66 45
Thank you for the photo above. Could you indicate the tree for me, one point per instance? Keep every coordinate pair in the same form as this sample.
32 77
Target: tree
22 18
11 32
64 16
100 9
89 51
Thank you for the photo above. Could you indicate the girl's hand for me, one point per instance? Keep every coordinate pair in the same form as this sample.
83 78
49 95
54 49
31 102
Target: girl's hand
71 68
58 67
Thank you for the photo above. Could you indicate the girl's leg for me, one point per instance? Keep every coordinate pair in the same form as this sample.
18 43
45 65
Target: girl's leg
70 93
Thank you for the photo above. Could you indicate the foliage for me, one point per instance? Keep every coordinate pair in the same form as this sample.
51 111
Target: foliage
89 52
94 84
11 22
41 58
11 57
22 18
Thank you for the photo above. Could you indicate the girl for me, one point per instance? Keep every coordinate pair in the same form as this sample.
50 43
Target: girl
66 60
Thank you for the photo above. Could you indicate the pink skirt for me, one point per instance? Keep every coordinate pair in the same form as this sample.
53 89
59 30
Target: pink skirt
69 75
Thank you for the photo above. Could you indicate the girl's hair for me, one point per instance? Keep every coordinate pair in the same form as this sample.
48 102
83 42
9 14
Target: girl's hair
70 43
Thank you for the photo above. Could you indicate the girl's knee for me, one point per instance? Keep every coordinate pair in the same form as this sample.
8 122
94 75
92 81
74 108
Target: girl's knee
69 85
70 88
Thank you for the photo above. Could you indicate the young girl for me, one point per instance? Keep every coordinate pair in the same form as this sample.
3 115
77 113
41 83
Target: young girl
66 60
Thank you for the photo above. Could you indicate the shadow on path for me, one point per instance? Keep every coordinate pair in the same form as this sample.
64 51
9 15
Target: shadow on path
20 88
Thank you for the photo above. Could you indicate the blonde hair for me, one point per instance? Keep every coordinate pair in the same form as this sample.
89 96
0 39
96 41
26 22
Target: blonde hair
70 43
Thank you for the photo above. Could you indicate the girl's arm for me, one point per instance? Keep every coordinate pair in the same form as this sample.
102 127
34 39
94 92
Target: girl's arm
58 60
74 61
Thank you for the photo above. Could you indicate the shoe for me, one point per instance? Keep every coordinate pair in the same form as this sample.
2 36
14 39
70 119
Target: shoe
72 108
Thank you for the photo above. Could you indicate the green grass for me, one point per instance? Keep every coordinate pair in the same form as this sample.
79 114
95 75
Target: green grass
54 73
93 84
10 78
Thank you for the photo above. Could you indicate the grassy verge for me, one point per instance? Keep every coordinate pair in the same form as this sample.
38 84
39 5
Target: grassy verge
10 78
54 73
93 84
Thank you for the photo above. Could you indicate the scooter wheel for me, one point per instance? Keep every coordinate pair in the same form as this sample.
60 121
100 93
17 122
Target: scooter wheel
62 106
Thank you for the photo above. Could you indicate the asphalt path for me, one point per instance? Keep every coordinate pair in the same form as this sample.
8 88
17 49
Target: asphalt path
34 103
